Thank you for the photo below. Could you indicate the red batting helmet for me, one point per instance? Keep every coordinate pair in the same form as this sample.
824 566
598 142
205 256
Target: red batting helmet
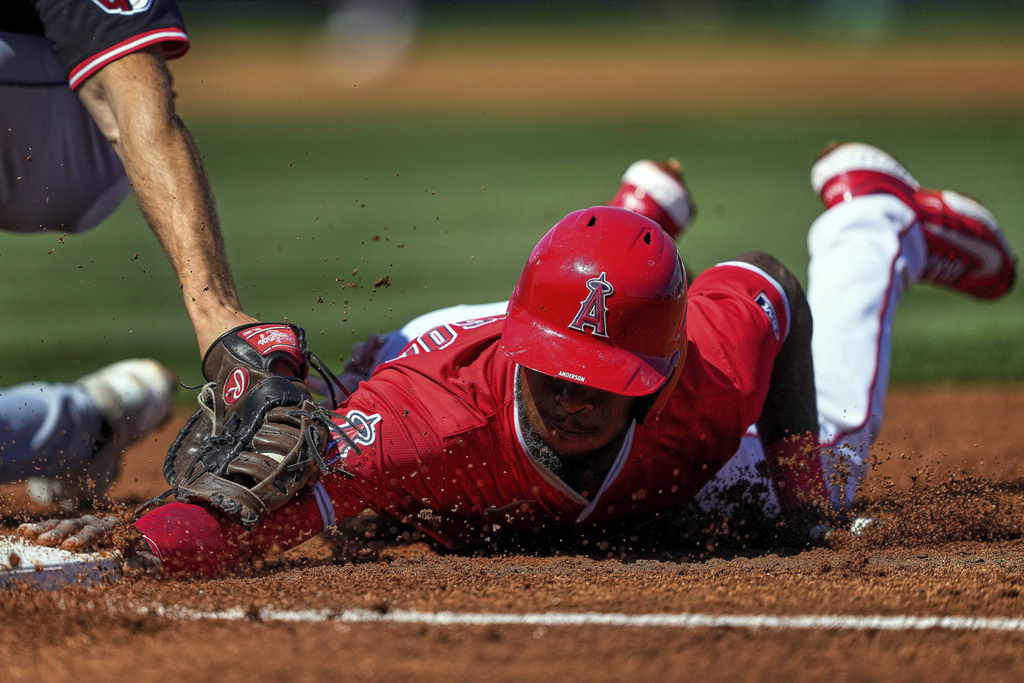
601 302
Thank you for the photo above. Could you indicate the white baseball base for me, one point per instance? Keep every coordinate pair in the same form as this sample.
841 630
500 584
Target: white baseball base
24 563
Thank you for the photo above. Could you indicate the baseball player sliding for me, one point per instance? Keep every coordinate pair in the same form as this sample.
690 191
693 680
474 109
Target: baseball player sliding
610 390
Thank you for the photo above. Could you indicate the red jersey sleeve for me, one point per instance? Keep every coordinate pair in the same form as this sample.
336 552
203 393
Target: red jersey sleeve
739 319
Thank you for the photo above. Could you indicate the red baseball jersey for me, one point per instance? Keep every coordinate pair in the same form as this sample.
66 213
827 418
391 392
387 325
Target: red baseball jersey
435 437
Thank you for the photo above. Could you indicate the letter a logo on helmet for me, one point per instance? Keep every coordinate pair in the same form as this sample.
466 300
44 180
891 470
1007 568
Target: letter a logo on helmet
632 316
593 311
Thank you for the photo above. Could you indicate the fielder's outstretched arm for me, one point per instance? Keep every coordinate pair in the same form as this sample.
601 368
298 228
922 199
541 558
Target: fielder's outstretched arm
132 103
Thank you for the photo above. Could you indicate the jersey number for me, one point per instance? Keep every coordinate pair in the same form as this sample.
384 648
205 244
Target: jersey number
442 336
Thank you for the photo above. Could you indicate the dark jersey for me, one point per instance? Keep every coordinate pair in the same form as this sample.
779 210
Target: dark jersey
89 34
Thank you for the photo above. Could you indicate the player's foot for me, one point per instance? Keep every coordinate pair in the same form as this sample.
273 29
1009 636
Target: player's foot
656 189
967 251
134 397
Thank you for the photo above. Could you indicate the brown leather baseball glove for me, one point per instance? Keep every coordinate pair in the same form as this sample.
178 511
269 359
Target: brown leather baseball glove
258 438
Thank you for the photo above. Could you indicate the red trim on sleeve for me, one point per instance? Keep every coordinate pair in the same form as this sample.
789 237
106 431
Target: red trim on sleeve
175 44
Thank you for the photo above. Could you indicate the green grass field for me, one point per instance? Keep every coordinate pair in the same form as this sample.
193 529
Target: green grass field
448 210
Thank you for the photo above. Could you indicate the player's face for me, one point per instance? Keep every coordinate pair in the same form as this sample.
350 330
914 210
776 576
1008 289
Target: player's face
573 420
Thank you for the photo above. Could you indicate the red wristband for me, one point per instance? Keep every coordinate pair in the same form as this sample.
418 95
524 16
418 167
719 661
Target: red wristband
186 538
192 539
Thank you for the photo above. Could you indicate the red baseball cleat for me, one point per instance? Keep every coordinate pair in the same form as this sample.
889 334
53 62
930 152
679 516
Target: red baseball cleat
656 190
967 251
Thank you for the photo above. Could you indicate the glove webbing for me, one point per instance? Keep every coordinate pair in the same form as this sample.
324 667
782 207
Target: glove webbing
239 442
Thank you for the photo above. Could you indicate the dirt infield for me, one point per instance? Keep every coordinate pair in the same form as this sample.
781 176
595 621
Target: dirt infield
598 77
948 484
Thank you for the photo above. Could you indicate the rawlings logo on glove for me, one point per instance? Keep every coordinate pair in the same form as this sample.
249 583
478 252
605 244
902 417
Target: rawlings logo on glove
236 386
258 438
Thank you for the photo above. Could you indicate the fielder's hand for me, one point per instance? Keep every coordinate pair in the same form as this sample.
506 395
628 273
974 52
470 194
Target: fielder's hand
75 535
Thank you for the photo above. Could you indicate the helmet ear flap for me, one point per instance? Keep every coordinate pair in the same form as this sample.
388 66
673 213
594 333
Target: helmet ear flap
651 406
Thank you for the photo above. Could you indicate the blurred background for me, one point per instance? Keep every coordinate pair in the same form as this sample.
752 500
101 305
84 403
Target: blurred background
376 159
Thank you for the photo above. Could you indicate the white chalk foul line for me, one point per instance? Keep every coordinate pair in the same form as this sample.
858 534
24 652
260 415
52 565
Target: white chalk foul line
751 621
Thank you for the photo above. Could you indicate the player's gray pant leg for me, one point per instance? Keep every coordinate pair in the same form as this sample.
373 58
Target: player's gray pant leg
46 430
57 171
